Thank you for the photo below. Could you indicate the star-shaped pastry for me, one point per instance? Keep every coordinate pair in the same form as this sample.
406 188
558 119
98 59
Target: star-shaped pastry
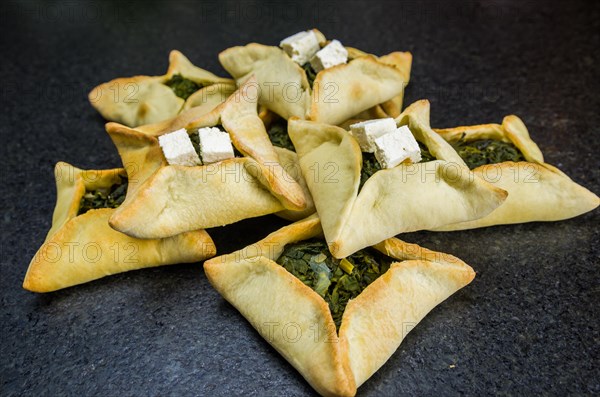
506 156
81 246
164 200
337 93
358 210
140 100
297 320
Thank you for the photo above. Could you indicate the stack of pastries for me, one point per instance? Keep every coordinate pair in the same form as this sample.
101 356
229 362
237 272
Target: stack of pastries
314 132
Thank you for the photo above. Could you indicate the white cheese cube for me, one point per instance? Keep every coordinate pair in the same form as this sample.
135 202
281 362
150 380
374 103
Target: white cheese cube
332 54
394 147
301 47
178 149
215 145
366 132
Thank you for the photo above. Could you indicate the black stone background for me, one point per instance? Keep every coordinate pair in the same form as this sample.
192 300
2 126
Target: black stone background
527 325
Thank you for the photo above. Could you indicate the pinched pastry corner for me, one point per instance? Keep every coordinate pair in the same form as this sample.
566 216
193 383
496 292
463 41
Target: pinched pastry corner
140 100
164 200
83 247
373 324
537 191
405 198
338 93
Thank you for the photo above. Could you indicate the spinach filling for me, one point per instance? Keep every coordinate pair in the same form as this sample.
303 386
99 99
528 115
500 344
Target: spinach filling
278 134
426 154
371 165
195 138
104 198
336 280
182 87
486 151
311 75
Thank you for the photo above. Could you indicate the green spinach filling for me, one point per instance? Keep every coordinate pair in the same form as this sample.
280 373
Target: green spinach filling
371 165
182 87
426 154
104 198
311 75
278 134
486 151
336 280
195 138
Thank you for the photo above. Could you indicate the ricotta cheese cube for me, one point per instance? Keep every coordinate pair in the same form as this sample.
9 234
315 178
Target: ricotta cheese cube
301 47
332 54
215 145
178 149
366 132
394 147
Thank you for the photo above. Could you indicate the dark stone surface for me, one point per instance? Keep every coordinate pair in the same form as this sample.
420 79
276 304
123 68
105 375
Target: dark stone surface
527 325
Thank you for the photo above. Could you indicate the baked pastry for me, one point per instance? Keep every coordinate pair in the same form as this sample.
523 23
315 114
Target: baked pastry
81 246
373 305
506 156
165 200
139 100
337 93
360 205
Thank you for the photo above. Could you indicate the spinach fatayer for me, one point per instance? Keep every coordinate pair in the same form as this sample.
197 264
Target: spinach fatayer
81 246
337 321
141 100
506 156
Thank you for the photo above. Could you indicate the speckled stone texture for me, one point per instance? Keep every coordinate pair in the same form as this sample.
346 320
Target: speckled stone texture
527 325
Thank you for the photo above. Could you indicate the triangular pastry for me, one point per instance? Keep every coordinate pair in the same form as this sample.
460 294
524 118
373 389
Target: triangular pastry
140 100
297 321
81 246
506 156
337 93
358 210
164 200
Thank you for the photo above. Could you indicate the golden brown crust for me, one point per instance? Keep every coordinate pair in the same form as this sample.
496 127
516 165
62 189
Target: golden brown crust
344 90
167 200
297 322
177 198
338 93
141 100
249 136
202 103
536 190
289 162
82 248
283 84
405 198
179 64
330 160
402 297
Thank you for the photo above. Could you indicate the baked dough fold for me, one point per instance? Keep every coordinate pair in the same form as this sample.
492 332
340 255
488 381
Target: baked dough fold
140 100
537 191
81 248
338 93
405 198
164 200
297 322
